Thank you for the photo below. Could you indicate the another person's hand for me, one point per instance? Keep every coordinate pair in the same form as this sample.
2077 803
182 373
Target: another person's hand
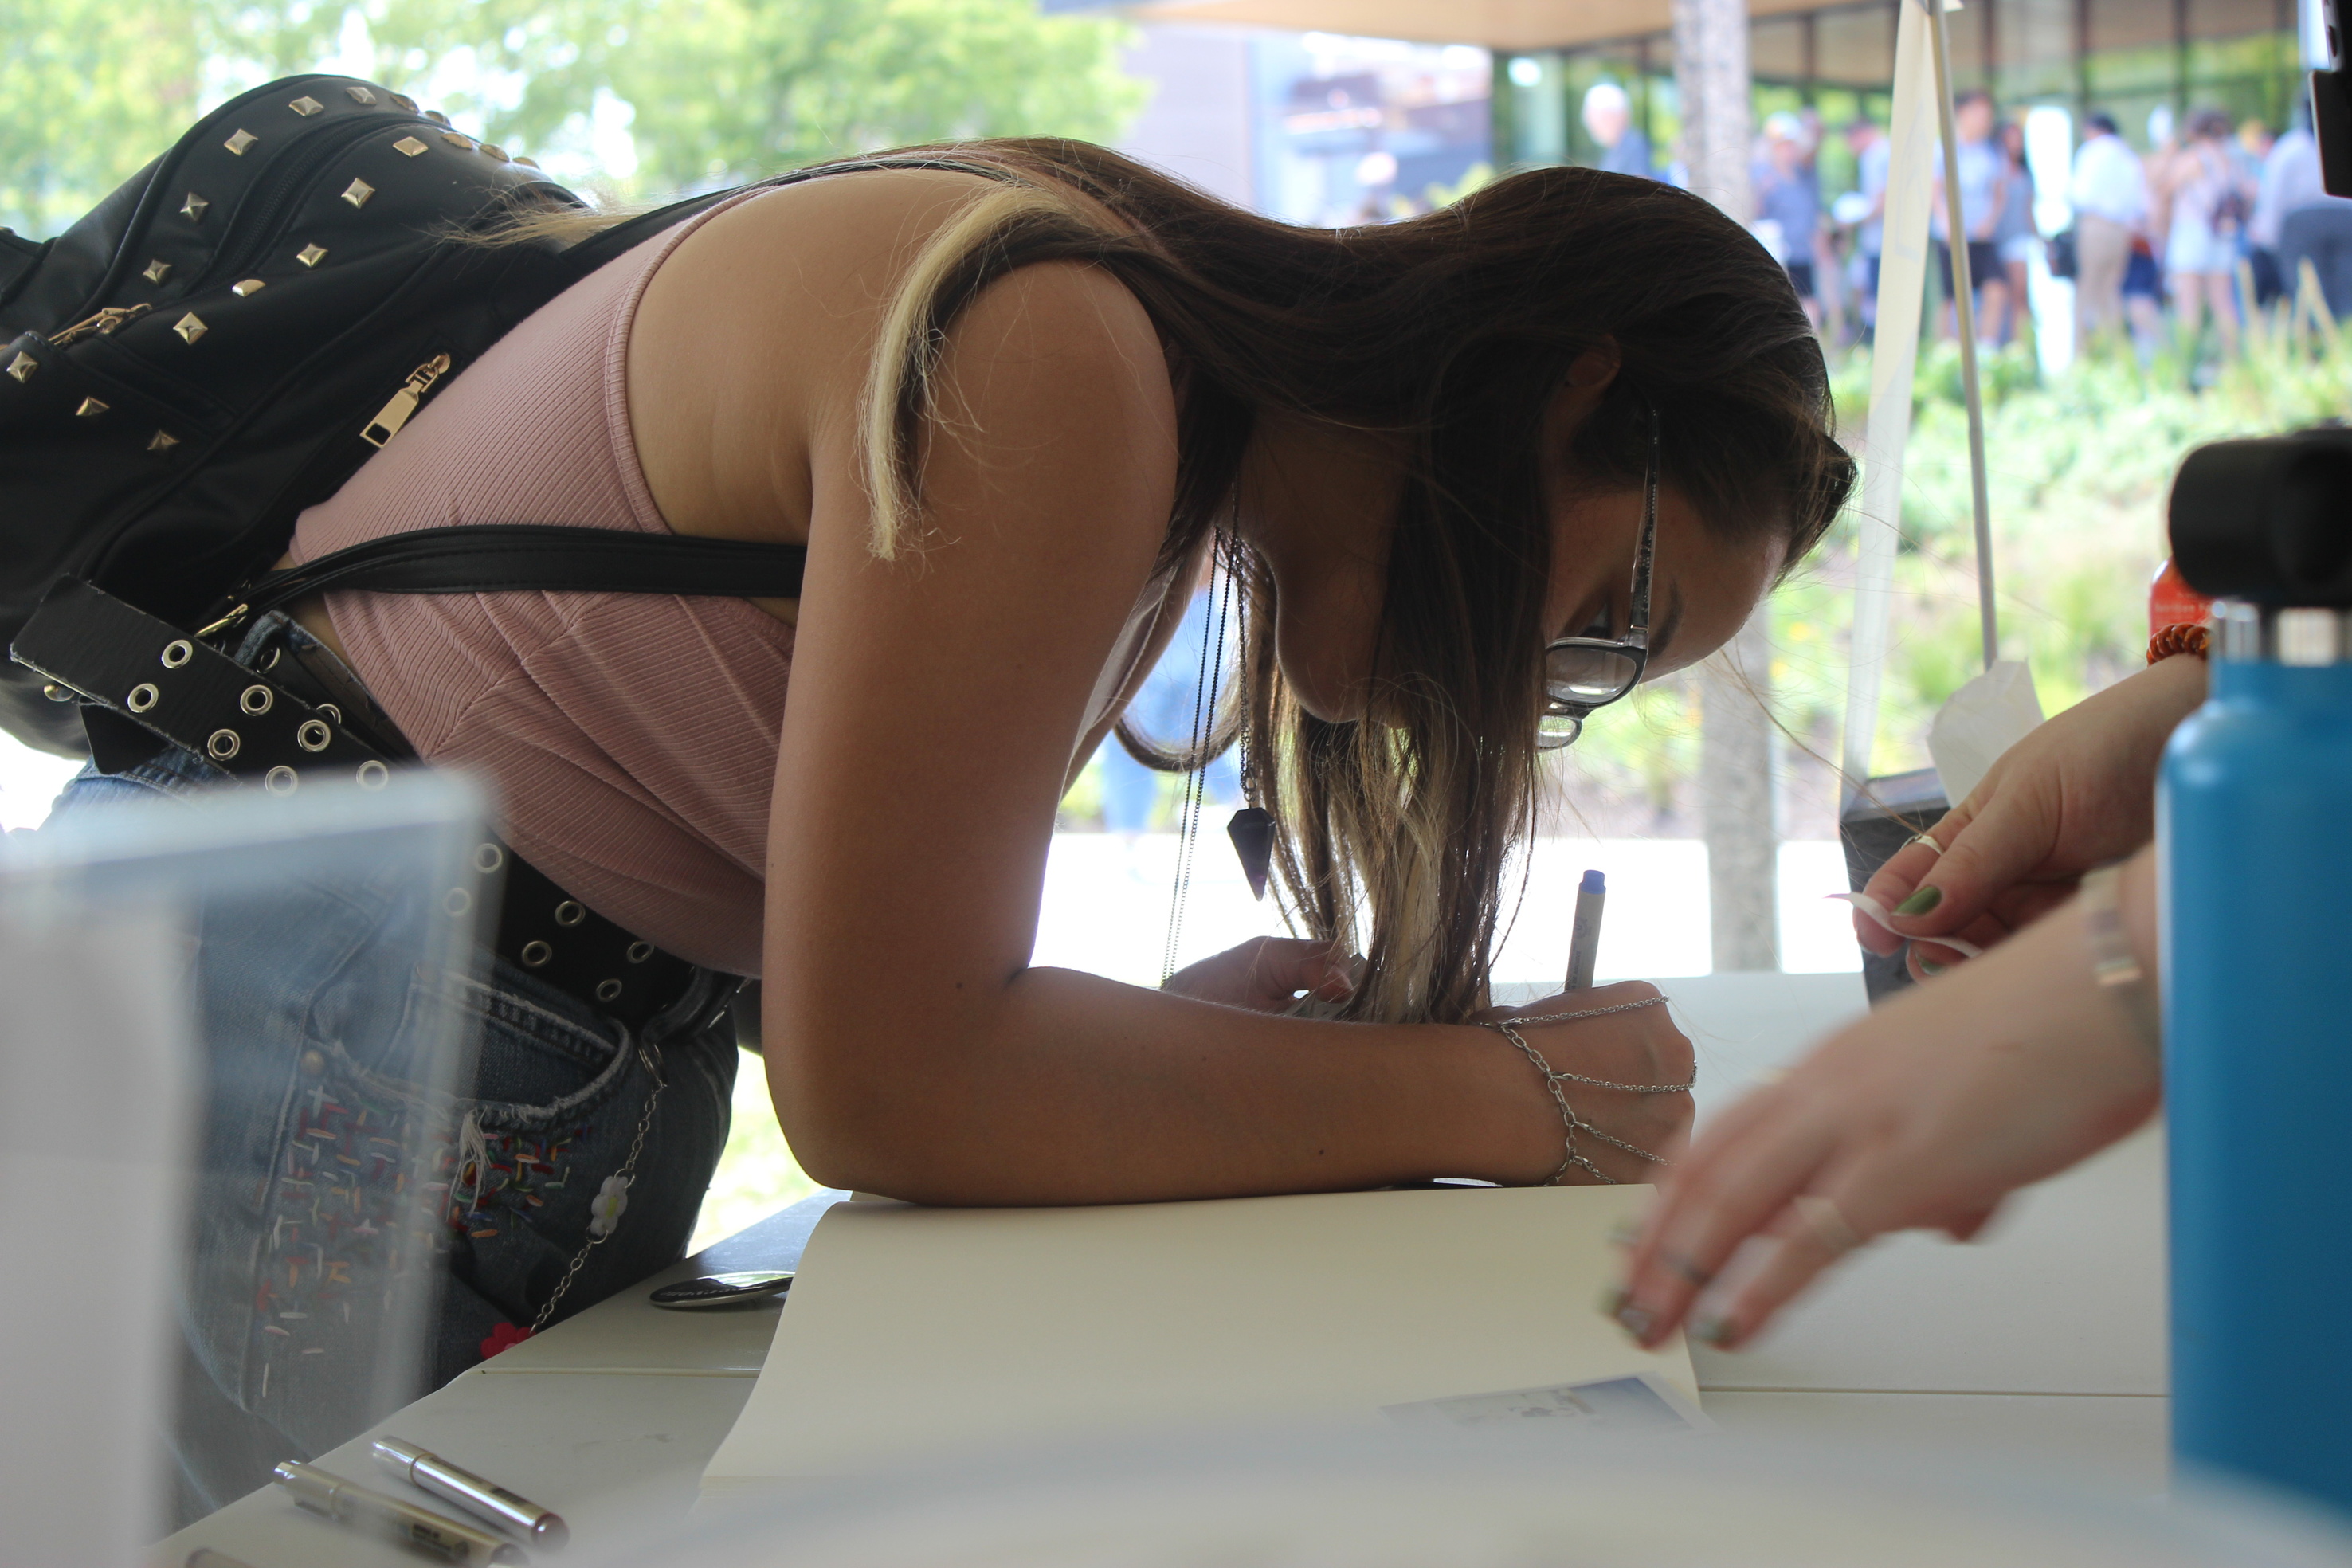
1266 973
2075 794
1639 1047
1927 1113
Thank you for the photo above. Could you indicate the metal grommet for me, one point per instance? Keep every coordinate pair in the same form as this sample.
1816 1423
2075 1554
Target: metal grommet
269 660
313 735
282 780
142 697
488 857
334 714
223 744
374 774
255 700
459 901
313 1063
608 991
535 954
177 654
568 913
640 951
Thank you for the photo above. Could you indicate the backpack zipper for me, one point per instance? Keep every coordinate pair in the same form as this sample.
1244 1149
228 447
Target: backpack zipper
405 402
101 325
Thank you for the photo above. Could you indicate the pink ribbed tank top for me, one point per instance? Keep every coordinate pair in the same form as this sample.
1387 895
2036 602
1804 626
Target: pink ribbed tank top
631 739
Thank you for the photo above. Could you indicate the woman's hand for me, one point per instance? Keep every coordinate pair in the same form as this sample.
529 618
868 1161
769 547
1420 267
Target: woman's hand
1927 1113
1266 973
2077 793
1640 1045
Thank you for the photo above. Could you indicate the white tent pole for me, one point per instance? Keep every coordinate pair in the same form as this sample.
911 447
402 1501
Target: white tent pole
1964 306
1902 280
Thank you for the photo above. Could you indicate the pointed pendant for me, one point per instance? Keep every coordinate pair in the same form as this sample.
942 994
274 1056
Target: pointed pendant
1252 831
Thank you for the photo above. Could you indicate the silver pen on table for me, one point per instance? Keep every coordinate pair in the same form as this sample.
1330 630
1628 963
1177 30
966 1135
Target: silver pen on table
1584 946
483 1498
360 1508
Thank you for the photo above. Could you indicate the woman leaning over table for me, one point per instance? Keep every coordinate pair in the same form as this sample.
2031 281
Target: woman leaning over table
1478 471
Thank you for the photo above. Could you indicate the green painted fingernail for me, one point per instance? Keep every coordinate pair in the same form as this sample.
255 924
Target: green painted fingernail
1920 902
1612 1300
1711 1329
1930 968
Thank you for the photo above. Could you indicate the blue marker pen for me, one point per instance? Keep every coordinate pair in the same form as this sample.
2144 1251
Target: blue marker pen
1584 946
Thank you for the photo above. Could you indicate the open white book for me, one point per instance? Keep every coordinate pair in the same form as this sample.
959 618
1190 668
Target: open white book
912 1333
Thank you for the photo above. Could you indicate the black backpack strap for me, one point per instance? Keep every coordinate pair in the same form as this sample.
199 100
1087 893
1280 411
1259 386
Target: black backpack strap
497 557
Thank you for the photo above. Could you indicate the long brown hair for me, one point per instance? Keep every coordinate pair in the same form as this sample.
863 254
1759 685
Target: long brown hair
1452 331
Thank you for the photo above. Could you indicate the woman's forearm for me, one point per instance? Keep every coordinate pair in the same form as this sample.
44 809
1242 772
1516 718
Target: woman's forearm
1067 1088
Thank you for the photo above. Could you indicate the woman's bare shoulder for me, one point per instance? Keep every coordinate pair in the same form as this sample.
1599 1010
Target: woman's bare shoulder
754 340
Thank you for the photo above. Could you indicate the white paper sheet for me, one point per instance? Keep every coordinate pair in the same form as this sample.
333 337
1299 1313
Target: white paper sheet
914 1331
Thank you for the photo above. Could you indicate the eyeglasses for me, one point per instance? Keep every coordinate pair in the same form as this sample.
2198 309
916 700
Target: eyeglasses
1582 674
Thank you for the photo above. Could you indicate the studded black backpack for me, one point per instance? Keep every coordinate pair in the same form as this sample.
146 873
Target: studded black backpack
222 343
225 340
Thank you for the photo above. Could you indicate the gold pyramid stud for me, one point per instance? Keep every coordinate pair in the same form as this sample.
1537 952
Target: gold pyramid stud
358 192
436 116
193 209
189 328
463 144
240 142
22 367
248 288
404 101
90 408
361 95
489 150
409 147
311 255
163 441
528 163
156 271
306 105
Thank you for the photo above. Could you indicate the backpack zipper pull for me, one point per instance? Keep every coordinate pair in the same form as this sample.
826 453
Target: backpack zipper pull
100 325
405 402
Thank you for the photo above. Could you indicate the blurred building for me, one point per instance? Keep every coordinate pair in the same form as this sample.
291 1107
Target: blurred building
1314 127
2128 57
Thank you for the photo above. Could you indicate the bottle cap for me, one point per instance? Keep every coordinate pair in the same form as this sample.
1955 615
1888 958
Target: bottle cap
2267 520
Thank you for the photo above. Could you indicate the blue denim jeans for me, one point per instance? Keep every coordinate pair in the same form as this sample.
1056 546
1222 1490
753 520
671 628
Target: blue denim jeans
312 1008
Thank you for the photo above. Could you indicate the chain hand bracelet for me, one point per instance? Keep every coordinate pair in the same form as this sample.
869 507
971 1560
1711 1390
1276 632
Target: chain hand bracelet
1571 1123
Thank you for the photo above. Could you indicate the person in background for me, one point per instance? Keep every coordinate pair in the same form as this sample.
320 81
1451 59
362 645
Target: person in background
1609 118
2015 234
1983 187
2303 222
2205 208
2109 193
1871 150
1788 207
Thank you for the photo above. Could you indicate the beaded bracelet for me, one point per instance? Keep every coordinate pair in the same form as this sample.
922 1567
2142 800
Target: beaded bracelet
2172 640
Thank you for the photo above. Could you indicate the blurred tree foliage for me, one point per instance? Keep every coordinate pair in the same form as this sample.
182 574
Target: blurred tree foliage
721 90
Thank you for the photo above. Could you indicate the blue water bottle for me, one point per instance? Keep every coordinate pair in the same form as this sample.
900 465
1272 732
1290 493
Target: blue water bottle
2255 840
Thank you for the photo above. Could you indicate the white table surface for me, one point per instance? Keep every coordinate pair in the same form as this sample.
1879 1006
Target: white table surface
2043 1344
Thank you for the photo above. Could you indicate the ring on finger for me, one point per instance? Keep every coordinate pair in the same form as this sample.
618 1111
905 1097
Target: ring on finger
1928 839
1827 1222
